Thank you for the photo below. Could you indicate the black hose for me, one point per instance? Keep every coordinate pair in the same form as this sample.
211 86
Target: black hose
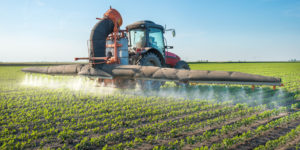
98 38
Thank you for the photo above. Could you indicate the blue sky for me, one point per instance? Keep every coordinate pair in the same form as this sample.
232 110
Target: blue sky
214 30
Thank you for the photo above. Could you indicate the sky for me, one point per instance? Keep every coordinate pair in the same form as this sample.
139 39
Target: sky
213 30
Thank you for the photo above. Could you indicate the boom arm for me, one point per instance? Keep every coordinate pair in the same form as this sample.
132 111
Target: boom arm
157 73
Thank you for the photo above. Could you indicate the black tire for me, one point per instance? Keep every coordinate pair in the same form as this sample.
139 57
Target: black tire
182 65
149 59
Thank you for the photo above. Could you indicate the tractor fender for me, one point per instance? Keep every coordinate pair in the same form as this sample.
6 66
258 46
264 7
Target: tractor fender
156 52
172 59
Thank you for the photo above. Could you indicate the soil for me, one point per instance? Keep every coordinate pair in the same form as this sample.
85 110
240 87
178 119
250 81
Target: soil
291 145
269 135
233 133
195 132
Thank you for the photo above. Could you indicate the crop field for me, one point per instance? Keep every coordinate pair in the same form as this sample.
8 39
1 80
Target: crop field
50 112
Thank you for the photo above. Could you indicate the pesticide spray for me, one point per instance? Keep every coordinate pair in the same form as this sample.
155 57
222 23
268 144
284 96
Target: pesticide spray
77 83
220 93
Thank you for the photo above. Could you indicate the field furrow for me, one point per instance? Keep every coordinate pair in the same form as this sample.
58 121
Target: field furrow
63 115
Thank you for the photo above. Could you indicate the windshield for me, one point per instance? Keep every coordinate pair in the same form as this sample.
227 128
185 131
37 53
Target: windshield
137 38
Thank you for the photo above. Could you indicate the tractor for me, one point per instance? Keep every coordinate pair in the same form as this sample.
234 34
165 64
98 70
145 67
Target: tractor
147 46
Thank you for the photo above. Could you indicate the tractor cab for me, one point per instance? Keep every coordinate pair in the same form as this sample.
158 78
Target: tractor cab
146 35
147 38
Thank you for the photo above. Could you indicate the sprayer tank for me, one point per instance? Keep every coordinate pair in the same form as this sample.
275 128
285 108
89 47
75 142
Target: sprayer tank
109 49
122 51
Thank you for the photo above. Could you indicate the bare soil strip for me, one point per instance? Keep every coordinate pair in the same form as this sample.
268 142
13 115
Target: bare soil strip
266 136
149 123
195 132
236 132
291 145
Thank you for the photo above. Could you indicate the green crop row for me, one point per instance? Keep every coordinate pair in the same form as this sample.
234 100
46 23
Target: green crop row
176 131
273 144
33 117
228 142
225 129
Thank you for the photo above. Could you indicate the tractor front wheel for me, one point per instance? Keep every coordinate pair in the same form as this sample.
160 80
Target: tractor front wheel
182 65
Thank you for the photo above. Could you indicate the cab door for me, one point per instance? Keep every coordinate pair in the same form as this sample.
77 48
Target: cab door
156 40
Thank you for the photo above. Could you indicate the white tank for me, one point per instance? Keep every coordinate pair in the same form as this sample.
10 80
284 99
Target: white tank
109 49
123 51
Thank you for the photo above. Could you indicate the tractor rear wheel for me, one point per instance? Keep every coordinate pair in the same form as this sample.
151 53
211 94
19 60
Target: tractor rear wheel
182 65
149 59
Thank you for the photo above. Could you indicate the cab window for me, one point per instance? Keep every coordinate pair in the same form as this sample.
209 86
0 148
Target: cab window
137 38
156 39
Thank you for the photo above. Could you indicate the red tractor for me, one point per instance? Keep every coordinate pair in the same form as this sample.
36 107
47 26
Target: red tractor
147 46
142 43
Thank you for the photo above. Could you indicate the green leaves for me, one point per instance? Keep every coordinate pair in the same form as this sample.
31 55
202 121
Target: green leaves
282 140
33 117
66 135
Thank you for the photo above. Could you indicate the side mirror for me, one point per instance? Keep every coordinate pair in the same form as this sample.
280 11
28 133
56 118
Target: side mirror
173 33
